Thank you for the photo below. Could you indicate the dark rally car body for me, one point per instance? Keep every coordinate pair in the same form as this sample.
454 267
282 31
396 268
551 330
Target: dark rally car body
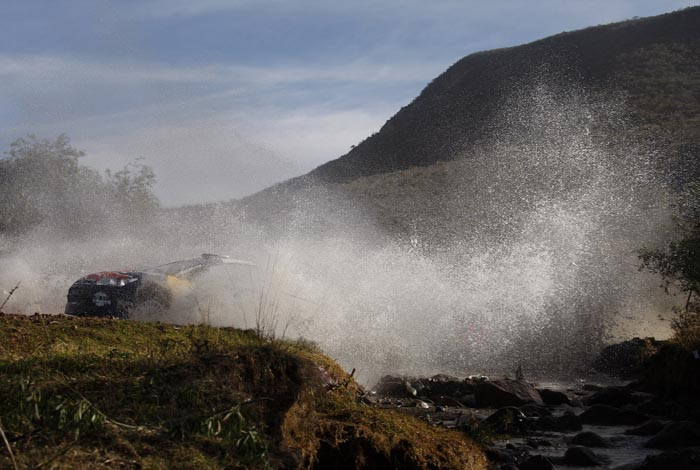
118 293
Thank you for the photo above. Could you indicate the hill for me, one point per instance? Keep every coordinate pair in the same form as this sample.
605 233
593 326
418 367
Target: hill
98 393
654 61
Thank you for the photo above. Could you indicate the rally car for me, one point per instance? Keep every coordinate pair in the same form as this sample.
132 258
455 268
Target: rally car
126 293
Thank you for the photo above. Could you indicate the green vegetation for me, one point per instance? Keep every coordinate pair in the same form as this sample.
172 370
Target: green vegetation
678 263
44 183
101 393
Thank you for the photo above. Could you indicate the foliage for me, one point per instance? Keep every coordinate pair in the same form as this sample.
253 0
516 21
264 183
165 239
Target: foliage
679 262
44 184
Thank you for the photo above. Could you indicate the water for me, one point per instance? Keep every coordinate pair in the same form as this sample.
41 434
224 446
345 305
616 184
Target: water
522 252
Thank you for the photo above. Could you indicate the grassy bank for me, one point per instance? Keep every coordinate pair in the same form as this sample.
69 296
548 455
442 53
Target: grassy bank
101 393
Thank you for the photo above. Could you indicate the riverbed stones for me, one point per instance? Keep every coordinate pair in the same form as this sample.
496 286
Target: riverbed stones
578 456
676 434
565 423
613 396
685 459
649 428
553 397
507 420
626 359
590 439
506 392
536 462
606 415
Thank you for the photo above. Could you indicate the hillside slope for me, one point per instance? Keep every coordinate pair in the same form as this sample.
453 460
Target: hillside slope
655 61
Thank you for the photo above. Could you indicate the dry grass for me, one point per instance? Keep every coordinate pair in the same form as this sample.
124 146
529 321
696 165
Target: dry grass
100 393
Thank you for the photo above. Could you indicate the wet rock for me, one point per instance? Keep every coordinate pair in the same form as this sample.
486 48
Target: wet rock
607 415
536 411
506 393
582 457
565 423
507 420
590 439
537 443
422 404
446 385
613 396
447 401
677 434
553 397
686 459
536 462
626 359
390 386
649 428
501 456
509 466
410 390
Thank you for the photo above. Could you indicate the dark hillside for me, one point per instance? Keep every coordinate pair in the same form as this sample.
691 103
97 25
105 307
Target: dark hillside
655 61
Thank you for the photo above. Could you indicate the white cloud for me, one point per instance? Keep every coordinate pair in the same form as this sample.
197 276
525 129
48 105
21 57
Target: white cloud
42 67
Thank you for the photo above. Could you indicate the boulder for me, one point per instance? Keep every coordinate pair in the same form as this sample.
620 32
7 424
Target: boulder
507 420
613 396
626 359
553 397
536 411
676 434
685 459
391 386
649 428
506 392
606 415
577 456
590 439
536 462
446 385
565 423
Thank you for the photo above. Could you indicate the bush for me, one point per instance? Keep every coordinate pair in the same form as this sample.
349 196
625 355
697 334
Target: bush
44 184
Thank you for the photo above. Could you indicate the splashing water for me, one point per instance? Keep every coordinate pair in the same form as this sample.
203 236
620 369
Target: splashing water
521 251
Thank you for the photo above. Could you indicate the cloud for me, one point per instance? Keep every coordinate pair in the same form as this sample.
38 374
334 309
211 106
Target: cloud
227 156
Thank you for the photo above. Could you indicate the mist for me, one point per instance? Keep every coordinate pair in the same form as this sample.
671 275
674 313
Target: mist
520 252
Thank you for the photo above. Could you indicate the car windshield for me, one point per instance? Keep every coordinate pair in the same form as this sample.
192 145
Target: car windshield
181 268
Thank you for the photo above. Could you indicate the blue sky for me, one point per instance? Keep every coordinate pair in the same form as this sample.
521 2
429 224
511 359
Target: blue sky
223 98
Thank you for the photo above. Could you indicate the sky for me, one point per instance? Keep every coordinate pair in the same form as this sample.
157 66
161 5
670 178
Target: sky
224 98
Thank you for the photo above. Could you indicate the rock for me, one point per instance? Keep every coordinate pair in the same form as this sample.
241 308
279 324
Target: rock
606 415
677 434
552 397
446 385
508 466
506 393
422 404
590 439
537 443
499 456
591 387
626 359
565 423
447 401
686 459
410 389
536 411
536 462
507 420
390 386
582 457
649 428
613 396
